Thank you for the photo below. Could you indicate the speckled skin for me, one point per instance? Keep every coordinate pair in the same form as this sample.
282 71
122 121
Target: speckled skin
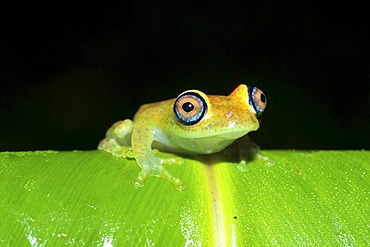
156 126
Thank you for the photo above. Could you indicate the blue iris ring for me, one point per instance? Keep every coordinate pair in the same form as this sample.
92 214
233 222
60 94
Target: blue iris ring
197 117
252 100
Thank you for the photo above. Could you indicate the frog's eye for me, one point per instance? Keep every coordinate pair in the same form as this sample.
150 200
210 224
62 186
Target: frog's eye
257 99
190 108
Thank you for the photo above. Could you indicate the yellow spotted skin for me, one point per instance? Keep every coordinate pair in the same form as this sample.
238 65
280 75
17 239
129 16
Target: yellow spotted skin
155 125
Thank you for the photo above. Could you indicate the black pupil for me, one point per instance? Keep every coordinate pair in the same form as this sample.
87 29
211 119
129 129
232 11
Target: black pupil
188 107
263 98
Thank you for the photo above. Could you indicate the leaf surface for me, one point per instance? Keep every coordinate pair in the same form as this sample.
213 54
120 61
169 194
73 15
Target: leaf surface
87 198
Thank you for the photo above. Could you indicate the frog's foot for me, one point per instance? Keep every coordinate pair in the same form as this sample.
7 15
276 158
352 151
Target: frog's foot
243 164
157 170
117 140
167 161
111 146
266 160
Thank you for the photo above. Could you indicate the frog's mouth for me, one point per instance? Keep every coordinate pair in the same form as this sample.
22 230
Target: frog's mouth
232 135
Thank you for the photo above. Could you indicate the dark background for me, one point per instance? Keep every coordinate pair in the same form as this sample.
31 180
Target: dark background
68 71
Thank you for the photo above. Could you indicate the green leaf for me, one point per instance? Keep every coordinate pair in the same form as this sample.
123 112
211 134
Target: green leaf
312 198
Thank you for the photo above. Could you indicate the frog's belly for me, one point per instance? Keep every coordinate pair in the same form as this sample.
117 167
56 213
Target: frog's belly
205 145
194 146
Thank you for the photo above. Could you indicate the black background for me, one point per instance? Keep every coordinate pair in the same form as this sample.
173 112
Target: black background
68 71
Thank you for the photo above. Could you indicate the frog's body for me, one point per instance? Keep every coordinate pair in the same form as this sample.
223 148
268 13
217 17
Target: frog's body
192 123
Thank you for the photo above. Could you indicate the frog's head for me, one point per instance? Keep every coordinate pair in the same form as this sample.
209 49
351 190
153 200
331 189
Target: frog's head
213 122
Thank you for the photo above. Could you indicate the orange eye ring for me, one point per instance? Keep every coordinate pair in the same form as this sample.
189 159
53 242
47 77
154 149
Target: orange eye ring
190 108
257 99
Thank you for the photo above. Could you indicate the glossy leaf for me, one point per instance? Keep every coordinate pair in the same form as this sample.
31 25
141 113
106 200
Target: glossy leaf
87 198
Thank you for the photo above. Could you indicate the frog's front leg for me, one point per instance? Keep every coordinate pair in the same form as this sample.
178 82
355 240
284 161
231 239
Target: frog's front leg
117 140
151 164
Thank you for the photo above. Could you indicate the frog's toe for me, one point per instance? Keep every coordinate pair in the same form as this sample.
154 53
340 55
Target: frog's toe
160 172
138 182
171 161
265 159
141 178
180 185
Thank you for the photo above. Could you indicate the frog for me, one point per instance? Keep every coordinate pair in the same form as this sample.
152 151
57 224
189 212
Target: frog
192 123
